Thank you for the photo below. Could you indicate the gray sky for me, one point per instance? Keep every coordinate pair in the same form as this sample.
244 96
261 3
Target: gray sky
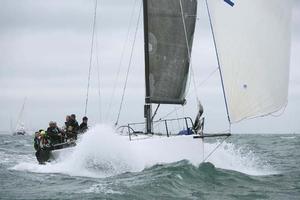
44 56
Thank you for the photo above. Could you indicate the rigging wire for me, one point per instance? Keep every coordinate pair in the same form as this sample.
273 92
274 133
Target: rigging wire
208 77
120 62
189 58
91 58
200 85
219 65
215 149
98 78
155 112
188 51
129 66
178 123
169 113
192 71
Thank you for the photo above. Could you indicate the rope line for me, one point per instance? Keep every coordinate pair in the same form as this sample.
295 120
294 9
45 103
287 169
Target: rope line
129 66
204 81
169 113
281 112
91 58
214 149
120 63
208 77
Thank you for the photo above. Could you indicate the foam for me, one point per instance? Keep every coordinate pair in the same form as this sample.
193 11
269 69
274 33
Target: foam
101 153
288 137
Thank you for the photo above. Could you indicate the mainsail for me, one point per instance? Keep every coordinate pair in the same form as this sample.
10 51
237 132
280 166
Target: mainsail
169 29
252 39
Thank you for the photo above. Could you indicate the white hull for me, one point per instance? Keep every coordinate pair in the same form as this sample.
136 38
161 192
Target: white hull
165 146
61 154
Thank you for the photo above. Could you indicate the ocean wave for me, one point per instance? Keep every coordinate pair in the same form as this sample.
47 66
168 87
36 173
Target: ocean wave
288 137
103 153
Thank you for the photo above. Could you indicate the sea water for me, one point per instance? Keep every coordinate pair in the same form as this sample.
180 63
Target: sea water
105 165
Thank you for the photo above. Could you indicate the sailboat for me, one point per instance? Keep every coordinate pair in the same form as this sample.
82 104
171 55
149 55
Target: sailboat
20 127
252 44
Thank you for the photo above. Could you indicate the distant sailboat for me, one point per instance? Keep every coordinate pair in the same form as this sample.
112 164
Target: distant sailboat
20 127
252 43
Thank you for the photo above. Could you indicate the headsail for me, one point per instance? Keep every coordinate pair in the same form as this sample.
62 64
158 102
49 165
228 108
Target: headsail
252 39
167 64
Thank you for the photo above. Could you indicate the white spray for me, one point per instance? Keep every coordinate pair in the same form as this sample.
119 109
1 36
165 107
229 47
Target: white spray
101 152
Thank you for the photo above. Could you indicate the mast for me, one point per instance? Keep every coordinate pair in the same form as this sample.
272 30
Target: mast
219 65
147 107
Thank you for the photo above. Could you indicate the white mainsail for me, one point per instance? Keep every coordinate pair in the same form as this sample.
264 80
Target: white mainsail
252 39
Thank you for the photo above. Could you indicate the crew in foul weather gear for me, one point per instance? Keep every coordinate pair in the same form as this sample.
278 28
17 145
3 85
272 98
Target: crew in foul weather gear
198 125
55 134
44 140
42 145
72 127
83 126
68 118
56 138
74 122
36 142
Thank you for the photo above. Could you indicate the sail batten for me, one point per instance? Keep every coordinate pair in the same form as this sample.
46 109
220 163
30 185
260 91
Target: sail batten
167 48
252 39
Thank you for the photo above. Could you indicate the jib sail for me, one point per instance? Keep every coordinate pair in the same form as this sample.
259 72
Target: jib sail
252 39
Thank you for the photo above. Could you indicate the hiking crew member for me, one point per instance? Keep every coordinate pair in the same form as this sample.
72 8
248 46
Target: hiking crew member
44 140
36 141
72 127
83 126
41 140
42 146
54 137
55 134
68 118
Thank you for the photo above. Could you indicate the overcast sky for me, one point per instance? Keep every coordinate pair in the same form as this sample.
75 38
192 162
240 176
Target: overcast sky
44 56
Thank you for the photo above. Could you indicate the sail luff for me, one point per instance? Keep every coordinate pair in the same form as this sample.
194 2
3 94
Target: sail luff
218 60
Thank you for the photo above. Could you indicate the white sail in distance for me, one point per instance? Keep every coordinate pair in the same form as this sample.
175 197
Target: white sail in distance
252 40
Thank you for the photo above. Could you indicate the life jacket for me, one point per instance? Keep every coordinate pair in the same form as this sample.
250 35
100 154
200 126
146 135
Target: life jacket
44 141
70 128
54 130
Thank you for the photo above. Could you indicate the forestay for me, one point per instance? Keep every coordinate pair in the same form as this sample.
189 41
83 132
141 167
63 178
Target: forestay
168 61
252 40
